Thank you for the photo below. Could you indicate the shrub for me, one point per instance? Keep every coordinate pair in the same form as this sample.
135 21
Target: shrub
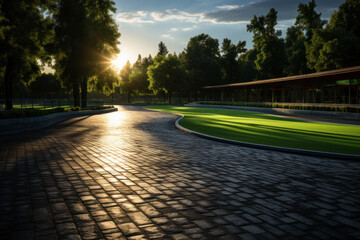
288 106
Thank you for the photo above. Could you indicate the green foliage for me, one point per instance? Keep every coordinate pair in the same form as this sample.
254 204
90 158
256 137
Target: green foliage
87 37
166 74
333 48
229 60
139 76
125 85
271 58
163 51
347 17
46 85
25 30
296 52
202 59
308 19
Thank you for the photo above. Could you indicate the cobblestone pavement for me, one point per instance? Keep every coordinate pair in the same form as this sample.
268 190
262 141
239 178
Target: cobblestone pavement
132 175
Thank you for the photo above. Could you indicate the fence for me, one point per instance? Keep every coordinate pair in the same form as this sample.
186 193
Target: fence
44 103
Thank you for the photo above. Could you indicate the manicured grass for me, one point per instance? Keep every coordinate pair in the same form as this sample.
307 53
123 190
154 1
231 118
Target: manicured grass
270 130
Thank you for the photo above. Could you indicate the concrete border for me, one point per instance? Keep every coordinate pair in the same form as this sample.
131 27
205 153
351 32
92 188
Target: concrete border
268 147
16 125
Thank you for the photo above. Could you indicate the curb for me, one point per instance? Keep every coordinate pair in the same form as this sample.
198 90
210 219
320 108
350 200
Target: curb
268 147
17 125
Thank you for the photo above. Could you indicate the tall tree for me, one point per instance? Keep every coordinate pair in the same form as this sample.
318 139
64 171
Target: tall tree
202 59
296 52
126 86
86 37
25 28
101 44
308 19
347 17
337 46
162 49
229 59
271 58
139 76
166 74
248 68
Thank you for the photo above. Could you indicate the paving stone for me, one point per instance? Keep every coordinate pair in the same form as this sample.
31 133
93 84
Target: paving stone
132 175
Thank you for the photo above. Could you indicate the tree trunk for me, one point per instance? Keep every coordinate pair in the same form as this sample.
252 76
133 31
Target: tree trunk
84 92
128 97
169 97
8 77
76 92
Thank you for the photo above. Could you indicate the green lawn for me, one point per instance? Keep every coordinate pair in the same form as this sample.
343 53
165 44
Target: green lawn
270 130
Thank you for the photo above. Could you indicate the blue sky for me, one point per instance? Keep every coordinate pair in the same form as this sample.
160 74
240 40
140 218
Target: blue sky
144 23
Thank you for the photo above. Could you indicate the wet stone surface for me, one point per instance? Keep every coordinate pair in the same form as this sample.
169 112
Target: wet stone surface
131 175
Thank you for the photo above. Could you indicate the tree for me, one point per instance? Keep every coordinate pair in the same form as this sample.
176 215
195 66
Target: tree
105 82
347 17
308 19
248 68
337 46
101 45
229 59
24 31
167 74
202 59
333 48
271 58
139 76
46 85
125 82
296 52
86 37
162 49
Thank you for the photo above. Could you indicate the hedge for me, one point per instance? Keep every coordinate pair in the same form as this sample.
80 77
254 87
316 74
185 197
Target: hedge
287 106
31 112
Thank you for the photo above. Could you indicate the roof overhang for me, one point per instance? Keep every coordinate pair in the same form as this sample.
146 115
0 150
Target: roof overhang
332 75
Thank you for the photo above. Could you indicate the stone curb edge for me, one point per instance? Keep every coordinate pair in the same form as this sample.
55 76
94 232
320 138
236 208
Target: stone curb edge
268 147
39 122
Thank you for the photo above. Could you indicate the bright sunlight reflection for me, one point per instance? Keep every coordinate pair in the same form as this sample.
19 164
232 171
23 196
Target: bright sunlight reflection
119 61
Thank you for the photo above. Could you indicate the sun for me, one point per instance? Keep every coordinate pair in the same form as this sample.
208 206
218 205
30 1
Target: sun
119 61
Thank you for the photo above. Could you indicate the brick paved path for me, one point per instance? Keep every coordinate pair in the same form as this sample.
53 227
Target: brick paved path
132 175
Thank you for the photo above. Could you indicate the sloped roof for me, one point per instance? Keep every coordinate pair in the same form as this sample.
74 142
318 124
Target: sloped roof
332 75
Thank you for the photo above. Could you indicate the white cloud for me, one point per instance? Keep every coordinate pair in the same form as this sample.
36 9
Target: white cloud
173 29
134 17
189 28
171 15
175 14
228 7
167 36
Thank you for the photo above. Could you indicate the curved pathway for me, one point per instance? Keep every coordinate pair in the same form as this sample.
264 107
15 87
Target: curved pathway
132 175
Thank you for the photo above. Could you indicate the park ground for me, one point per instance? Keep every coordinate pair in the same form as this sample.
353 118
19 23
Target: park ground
272 130
132 175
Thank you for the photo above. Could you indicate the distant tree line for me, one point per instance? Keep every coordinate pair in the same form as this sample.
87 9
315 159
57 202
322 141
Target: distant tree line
79 37
312 44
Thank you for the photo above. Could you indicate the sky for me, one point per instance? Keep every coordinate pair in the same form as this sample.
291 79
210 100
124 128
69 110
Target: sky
144 23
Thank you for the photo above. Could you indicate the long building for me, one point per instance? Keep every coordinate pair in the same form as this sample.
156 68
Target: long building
341 86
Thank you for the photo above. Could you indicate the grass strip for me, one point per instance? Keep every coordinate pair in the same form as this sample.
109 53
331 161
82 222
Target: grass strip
271 130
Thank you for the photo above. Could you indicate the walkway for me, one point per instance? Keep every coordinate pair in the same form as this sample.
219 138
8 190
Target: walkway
131 175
